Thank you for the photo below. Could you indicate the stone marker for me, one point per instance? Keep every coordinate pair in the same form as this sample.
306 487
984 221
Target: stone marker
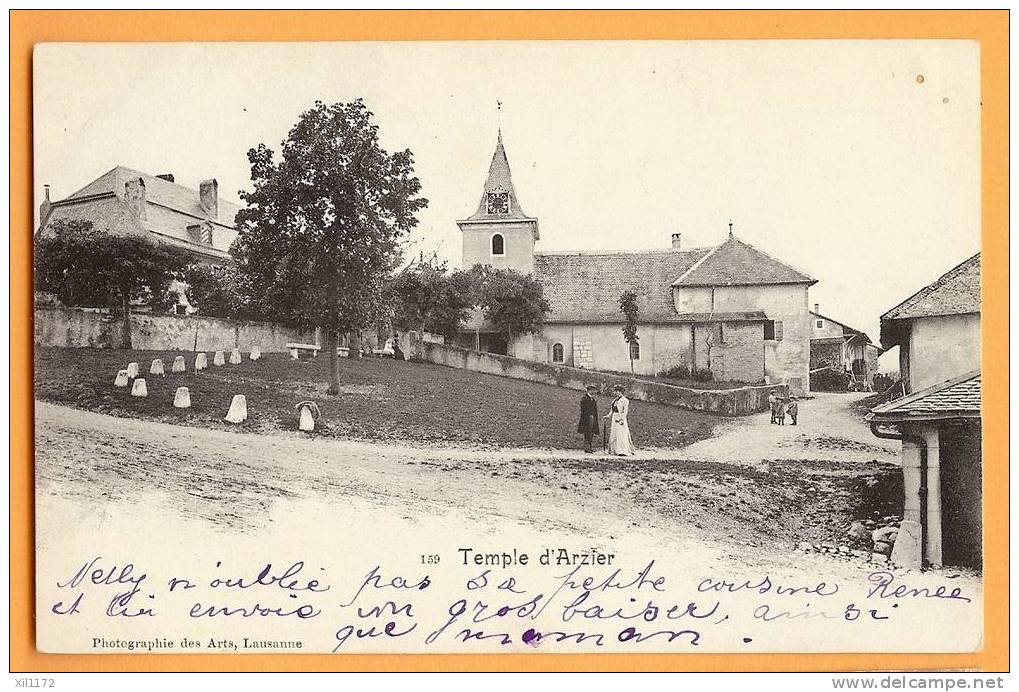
132 370
238 412
178 364
139 388
157 367
308 414
201 362
218 359
235 356
182 399
908 551
256 352
121 380
294 354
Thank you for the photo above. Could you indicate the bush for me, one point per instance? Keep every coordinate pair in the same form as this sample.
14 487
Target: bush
829 380
676 372
702 375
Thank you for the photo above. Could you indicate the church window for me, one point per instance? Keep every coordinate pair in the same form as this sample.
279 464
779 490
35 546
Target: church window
498 244
820 324
635 351
557 353
773 330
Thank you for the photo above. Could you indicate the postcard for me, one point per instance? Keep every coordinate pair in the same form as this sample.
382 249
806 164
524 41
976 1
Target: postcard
508 347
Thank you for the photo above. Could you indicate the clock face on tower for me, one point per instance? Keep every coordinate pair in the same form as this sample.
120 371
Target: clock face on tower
498 202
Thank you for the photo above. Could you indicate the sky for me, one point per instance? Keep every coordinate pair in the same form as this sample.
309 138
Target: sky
857 162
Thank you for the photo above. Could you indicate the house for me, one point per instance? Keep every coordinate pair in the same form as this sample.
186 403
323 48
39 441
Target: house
937 329
731 308
938 421
839 348
124 201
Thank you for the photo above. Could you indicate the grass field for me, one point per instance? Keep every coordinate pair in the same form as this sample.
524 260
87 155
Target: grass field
380 399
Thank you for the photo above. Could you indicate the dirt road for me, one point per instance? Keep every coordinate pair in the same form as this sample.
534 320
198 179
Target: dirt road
177 500
234 479
829 428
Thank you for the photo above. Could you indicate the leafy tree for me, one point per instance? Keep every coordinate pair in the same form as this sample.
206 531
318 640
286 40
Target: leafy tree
512 302
425 297
321 228
628 306
85 267
216 290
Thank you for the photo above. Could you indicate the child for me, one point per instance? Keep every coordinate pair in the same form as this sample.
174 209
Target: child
793 409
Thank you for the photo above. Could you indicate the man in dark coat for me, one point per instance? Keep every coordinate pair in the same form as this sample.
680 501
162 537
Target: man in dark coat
588 424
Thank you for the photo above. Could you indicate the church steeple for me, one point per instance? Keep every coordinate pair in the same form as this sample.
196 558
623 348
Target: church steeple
499 198
499 233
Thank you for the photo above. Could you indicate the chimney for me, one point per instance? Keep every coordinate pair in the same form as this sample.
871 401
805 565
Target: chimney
208 192
168 177
44 208
677 241
817 308
134 195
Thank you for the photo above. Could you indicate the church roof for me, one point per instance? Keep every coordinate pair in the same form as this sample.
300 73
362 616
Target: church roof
736 263
586 287
499 179
957 292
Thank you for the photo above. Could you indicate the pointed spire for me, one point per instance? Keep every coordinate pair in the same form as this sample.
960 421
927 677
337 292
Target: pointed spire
730 228
500 180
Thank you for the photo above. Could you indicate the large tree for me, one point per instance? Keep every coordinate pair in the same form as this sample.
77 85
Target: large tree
321 229
513 303
86 267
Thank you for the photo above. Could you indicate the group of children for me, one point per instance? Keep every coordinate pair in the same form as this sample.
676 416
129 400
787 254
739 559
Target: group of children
781 407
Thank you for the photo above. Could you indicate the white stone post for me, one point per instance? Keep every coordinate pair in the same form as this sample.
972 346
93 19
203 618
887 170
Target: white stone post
182 398
122 379
235 356
139 388
218 359
178 365
908 551
238 412
933 537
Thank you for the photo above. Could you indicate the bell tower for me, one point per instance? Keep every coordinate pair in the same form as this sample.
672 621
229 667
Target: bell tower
499 233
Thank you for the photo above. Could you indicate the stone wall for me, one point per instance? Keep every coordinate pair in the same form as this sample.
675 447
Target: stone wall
79 328
729 402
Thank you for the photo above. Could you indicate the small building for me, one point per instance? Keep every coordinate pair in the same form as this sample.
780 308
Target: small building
730 308
938 421
937 329
839 349
124 201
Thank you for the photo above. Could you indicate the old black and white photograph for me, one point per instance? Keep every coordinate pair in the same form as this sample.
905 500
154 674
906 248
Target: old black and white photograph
508 347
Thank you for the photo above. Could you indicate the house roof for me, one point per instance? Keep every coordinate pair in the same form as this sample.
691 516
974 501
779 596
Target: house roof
736 263
852 332
161 192
957 292
958 397
499 178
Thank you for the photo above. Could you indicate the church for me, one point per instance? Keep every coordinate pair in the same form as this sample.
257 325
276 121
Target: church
731 309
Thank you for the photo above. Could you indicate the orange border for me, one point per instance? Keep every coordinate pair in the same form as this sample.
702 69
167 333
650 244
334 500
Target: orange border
989 28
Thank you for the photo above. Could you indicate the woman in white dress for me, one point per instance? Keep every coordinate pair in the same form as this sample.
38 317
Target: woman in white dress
619 441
